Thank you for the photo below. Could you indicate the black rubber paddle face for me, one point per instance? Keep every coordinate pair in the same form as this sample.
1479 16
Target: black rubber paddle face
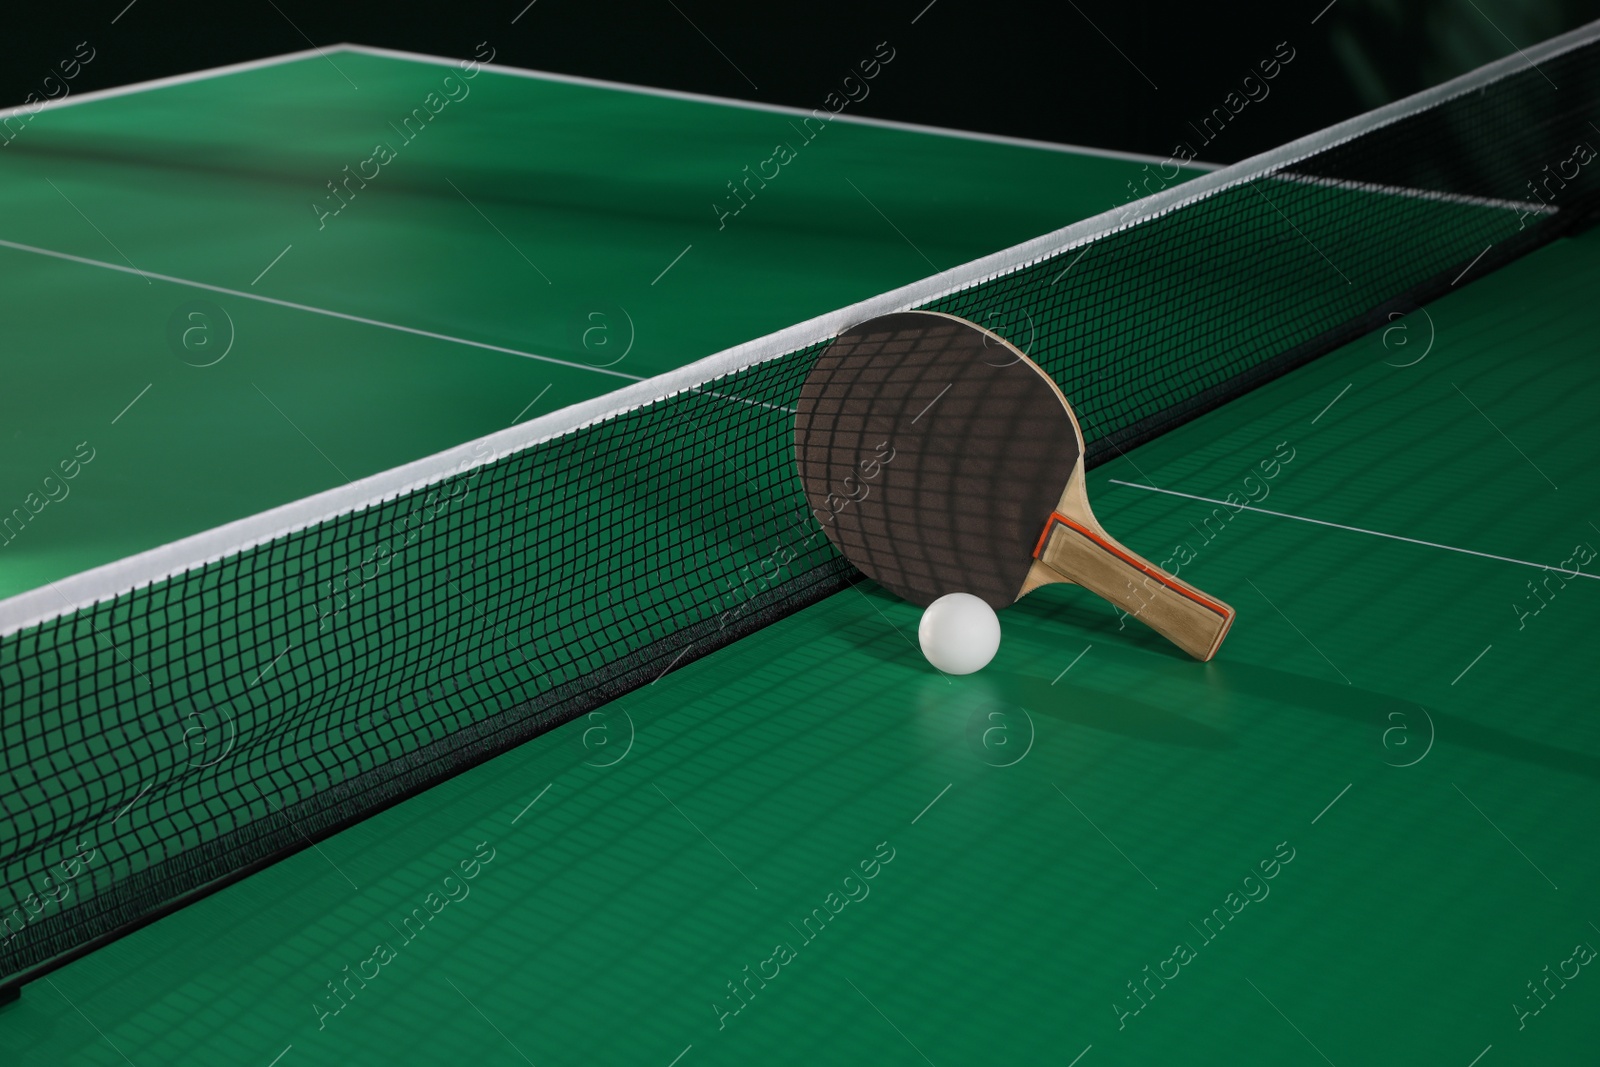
933 454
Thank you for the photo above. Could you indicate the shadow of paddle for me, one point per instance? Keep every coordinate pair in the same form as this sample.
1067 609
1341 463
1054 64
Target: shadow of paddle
1113 713
1377 711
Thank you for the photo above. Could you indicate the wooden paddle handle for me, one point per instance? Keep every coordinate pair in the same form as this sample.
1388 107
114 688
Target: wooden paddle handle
1168 605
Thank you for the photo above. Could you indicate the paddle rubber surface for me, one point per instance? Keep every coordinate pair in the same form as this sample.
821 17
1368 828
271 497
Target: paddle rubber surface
933 455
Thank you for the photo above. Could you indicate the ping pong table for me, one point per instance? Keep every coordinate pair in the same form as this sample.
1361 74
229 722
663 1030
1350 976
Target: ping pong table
1363 834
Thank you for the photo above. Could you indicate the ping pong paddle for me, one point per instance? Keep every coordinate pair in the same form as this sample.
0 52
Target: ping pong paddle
941 459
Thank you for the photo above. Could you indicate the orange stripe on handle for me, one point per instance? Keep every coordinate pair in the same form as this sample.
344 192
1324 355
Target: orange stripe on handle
1144 568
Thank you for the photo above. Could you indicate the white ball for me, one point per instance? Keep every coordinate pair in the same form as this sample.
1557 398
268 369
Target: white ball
959 633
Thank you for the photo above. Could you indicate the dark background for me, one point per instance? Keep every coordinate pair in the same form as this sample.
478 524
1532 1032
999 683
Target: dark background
1126 74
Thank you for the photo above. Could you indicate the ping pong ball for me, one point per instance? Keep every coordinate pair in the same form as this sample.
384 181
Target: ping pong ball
959 633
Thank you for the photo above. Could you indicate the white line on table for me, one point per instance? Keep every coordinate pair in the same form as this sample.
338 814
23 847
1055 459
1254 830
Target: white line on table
345 316
1358 529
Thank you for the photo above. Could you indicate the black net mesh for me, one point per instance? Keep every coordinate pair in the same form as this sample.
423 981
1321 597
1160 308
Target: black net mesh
162 742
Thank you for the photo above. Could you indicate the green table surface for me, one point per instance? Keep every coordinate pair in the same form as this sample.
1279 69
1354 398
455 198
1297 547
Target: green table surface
1400 731
569 222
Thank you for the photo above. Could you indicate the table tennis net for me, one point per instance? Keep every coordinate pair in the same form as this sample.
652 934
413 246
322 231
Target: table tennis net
162 740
